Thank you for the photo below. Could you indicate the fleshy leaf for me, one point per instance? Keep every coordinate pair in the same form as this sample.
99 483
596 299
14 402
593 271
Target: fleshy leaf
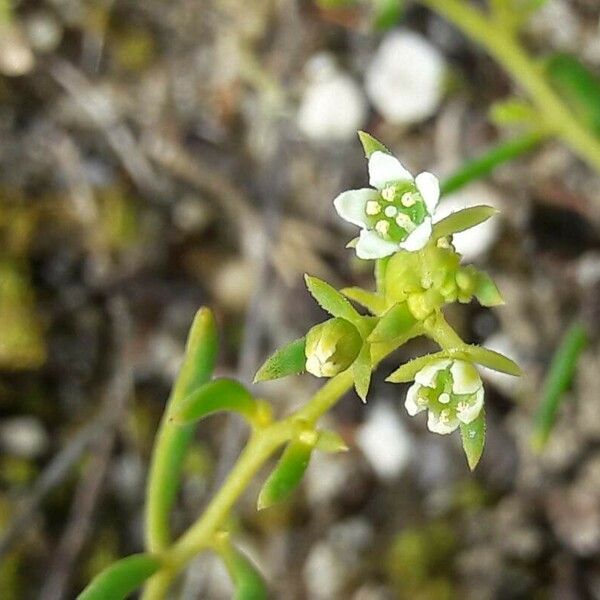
361 371
473 439
394 323
247 580
330 442
121 578
371 145
215 396
486 291
370 300
289 360
288 472
331 300
462 220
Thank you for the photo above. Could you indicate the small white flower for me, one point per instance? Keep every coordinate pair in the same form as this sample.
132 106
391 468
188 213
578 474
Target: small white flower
397 214
405 79
452 392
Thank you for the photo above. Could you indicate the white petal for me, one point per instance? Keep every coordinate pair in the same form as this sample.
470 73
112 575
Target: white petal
351 205
426 375
469 412
385 168
437 425
370 245
465 377
412 404
419 237
429 188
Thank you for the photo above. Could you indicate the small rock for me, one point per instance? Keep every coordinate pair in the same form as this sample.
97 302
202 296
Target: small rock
23 436
43 31
500 342
325 573
405 79
16 57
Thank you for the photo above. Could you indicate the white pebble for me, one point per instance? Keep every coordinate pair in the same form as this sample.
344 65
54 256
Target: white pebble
23 436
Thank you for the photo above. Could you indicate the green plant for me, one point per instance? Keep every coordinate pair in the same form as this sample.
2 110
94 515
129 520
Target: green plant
417 272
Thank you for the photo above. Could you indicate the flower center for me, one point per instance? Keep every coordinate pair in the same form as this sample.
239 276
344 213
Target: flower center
441 399
398 212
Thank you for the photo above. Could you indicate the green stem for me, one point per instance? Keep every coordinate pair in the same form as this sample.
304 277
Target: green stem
506 49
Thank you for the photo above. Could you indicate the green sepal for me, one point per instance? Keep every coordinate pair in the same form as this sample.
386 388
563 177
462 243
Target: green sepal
370 144
214 396
247 581
397 321
331 300
372 301
462 220
121 578
288 472
473 439
477 354
330 442
361 371
486 291
289 360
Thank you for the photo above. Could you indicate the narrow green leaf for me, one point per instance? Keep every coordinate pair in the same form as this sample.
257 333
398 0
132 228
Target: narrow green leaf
370 300
558 379
473 439
394 323
407 371
214 396
370 144
289 360
331 300
486 291
361 371
121 578
513 111
287 474
246 578
387 13
172 442
462 220
330 442
490 359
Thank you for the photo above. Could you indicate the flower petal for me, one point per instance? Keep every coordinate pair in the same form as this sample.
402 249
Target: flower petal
370 245
465 377
437 424
385 168
419 237
351 205
412 404
426 376
429 188
469 411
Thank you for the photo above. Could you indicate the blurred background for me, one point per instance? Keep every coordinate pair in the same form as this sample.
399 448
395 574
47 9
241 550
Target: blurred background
158 156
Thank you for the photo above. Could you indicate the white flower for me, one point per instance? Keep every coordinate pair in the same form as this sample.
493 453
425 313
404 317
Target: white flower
452 392
405 79
333 105
394 216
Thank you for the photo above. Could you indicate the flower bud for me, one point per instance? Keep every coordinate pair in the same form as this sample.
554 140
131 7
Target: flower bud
331 347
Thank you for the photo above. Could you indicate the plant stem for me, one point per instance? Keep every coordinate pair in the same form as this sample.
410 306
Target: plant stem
506 49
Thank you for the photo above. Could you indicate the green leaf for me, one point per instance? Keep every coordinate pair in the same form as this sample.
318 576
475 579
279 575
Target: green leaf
490 359
473 439
397 321
121 578
462 220
387 13
246 578
330 442
172 442
289 360
331 300
486 291
370 144
370 300
288 472
513 111
559 377
579 86
214 396
407 371
361 371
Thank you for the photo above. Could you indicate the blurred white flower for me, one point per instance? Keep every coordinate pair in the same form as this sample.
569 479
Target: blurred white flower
397 214
333 106
452 392
405 79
